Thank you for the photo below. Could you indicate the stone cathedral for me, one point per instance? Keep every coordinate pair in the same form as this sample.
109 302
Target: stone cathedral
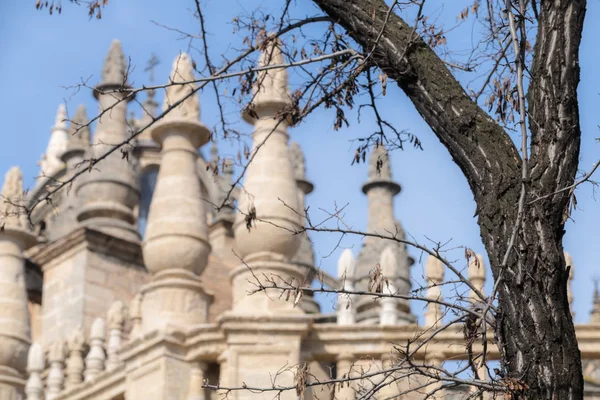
129 285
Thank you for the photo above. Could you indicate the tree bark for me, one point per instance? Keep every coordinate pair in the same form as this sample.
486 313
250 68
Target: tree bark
535 333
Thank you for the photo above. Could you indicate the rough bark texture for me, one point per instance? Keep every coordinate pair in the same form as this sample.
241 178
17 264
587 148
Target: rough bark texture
535 332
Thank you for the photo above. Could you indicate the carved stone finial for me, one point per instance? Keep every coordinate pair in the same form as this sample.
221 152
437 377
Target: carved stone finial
346 264
95 360
79 131
135 314
56 376
345 308
434 270
61 118
183 71
379 164
477 273
389 263
272 85
595 314
115 66
34 389
75 364
117 313
12 214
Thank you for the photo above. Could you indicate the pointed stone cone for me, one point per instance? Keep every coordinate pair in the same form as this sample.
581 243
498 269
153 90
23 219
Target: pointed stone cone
182 96
346 265
15 237
79 131
271 89
110 191
114 70
268 209
57 144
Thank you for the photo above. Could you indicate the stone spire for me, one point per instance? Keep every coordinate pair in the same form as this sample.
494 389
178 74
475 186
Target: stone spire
380 189
79 138
271 91
51 161
267 218
114 71
15 237
188 109
111 190
176 247
595 314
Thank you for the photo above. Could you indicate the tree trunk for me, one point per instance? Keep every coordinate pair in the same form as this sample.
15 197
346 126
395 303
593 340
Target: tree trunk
535 334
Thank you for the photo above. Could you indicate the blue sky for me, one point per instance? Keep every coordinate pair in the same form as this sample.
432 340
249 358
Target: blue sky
42 54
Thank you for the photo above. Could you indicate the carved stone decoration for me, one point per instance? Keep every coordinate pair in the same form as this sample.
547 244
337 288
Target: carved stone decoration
15 237
56 375
115 67
389 267
135 315
116 316
75 365
96 358
79 132
268 209
34 389
477 277
345 306
189 105
110 191
51 161
176 246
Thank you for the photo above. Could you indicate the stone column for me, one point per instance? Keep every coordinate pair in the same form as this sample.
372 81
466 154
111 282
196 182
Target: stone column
381 189
176 248
434 275
305 255
111 190
264 331
269 212
345 303
15 335
389 308
345 390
